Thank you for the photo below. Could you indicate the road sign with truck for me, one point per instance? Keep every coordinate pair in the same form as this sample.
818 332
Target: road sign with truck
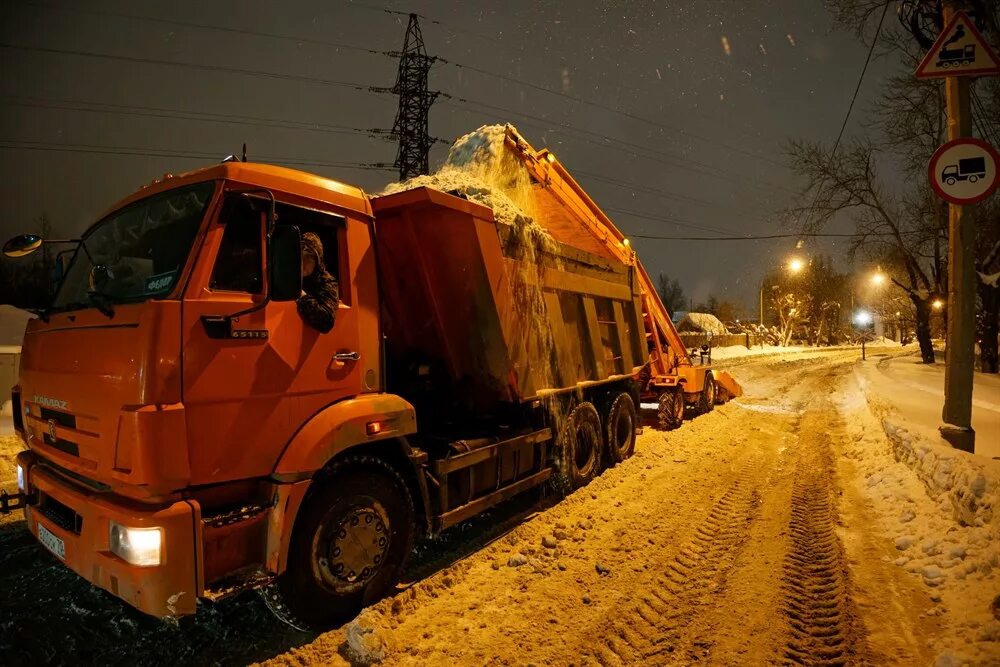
960 50
964 171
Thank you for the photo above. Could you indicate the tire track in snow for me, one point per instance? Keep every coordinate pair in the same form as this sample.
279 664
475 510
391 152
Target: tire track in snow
654 628
822 626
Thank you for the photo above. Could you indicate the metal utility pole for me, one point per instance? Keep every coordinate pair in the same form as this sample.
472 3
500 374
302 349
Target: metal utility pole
960 351
963 172
410 127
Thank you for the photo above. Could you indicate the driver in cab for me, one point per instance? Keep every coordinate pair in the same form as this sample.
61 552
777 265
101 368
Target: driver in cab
320 292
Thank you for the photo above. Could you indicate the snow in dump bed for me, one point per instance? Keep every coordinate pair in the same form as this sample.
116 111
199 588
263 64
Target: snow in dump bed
482 168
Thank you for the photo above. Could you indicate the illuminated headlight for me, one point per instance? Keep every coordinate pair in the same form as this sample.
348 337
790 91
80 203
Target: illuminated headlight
22 482
138 546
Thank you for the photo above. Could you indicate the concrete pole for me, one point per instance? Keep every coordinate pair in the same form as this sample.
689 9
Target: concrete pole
961 324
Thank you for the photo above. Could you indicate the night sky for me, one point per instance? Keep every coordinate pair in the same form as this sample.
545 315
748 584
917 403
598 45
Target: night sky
725 83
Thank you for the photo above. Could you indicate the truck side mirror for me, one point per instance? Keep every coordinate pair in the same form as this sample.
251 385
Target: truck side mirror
22 245
285 264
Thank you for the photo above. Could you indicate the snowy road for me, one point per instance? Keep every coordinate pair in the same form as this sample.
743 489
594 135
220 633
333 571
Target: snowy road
748 536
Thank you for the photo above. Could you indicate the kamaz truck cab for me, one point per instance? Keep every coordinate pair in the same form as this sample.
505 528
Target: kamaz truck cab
175 406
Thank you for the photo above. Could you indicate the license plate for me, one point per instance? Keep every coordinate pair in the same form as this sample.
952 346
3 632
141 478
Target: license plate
51 542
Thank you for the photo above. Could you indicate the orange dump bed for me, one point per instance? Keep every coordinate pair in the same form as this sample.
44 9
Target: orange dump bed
479 313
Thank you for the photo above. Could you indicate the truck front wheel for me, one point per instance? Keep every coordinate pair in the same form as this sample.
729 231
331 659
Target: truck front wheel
706 402
578 448
349 546
620 428
671 411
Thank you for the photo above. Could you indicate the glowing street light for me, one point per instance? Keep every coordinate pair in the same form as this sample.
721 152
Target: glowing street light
863 318
795 265
878 279
937 304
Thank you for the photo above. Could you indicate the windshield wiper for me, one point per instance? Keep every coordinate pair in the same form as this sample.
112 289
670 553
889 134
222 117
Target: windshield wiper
102 302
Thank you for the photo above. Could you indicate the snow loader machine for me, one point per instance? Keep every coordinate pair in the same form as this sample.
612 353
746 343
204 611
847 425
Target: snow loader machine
188 435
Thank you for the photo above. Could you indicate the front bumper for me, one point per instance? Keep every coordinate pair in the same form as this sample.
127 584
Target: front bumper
81 520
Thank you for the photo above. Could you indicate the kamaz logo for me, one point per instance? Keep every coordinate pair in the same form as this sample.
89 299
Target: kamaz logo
51 402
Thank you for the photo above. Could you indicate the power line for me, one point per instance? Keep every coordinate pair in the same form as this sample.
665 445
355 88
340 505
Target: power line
204 26
672 160
620 112
759 237
142 151
680 222
847 116
177 114
664 194
198 116
199 66
575 98
332 44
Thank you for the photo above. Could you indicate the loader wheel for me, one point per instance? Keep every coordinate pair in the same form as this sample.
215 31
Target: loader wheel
706 402
349 546
579 449
619 428
671 409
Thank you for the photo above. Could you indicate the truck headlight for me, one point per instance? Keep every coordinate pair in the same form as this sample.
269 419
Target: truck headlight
22 482
138 546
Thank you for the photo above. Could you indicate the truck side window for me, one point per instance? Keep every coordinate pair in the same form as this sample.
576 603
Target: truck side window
239 265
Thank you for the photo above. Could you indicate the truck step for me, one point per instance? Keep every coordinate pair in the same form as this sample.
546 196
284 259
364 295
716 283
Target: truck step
237 515
245 579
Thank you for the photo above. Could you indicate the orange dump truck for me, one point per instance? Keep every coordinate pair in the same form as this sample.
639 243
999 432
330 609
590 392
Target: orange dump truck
189 436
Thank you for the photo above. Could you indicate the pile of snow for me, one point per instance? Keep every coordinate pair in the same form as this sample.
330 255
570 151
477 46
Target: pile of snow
702 323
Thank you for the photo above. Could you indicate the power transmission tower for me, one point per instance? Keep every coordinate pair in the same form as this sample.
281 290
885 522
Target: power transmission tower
410 127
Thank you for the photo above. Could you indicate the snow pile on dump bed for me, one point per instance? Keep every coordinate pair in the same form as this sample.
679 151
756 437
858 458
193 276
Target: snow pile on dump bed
482 168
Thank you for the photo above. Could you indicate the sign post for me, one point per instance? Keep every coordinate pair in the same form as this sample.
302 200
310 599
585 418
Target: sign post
959 52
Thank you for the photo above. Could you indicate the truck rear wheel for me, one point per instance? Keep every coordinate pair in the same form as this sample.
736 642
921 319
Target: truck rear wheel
579 448
671 410
706 402
619 428
349 546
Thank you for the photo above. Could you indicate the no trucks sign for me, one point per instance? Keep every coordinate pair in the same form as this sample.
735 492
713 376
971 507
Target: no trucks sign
964 170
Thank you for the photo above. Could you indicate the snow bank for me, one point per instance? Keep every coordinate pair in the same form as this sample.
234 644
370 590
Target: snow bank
935 506
972 487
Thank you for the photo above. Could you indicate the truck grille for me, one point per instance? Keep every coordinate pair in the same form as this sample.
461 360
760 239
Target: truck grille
64 446
60 514
61 418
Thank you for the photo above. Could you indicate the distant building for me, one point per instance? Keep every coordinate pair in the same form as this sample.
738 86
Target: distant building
700 323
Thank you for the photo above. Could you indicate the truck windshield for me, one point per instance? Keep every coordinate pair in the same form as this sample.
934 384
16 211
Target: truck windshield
137 252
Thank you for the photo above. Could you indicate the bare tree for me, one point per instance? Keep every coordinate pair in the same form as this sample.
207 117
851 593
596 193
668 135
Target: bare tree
890 228
910 121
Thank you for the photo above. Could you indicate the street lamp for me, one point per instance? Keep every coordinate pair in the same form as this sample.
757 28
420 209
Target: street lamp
878 279
863 320
793 266
937 304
